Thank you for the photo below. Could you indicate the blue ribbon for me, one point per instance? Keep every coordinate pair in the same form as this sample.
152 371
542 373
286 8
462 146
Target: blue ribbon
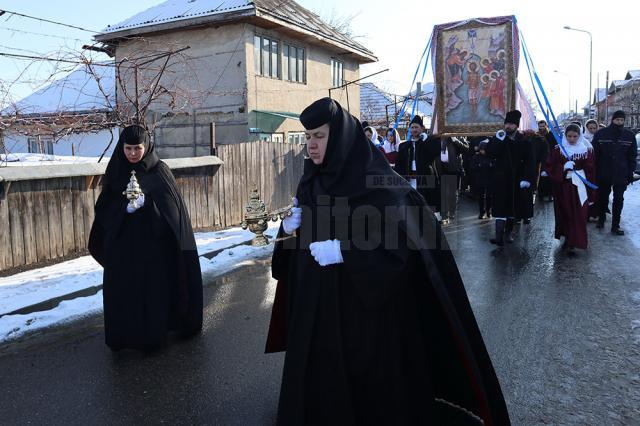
427 49
555 129
424 73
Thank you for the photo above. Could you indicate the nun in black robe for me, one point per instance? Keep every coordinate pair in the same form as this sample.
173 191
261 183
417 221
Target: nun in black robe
152 281
387 337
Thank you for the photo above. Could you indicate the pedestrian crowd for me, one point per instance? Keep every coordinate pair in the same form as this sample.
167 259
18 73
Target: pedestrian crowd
507 172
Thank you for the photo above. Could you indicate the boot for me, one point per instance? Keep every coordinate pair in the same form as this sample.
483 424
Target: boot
481 207
508 229
499 239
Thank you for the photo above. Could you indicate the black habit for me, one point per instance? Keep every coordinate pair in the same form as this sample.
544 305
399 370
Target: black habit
515 162
425 153
388 337
152 281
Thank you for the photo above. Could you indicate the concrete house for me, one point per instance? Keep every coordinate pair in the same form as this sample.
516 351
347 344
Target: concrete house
256 64
69 116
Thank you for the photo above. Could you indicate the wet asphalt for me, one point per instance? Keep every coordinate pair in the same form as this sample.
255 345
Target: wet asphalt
560 331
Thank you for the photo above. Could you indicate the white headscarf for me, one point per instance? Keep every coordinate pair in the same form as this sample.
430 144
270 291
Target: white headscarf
580 149
587 134
374 136
388 146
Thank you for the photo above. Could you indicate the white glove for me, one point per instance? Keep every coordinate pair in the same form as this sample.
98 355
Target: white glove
138 203
423 136
293 222
570 174
524 184
544 174
326 252
569 165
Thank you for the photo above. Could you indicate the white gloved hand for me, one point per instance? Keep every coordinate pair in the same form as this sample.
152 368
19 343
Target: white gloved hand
524 184
423 136
544 174
293 222
570 174
326 252
138 203
569 165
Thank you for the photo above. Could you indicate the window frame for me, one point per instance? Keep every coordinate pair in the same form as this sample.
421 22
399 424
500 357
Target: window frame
300 76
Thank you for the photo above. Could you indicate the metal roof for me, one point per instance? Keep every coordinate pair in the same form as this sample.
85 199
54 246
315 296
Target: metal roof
79 91
179 10
193 11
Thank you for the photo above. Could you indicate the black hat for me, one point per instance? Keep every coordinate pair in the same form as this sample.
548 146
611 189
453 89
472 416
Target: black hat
619 114
318 113
417 120
134 135
513 117
365 124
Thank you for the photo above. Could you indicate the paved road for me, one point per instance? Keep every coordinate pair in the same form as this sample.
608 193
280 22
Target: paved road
559 329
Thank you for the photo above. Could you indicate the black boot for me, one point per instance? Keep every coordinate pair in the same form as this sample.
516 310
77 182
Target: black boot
481 207
499 239
508 229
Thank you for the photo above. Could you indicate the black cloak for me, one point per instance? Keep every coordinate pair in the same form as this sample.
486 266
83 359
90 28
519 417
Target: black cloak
152 281
515 161
388 336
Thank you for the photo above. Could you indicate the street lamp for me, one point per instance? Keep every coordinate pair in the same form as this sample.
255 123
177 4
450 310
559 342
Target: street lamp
590 62
569 79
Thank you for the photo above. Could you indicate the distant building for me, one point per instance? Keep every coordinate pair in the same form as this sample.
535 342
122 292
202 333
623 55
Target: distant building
70 116
381 109
259 62
620 95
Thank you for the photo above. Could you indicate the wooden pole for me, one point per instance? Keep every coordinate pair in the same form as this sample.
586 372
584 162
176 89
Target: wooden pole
212 138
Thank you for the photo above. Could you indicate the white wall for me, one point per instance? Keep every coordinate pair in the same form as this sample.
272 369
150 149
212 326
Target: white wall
85 144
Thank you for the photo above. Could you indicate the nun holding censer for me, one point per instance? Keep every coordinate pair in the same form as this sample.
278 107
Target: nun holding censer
142 236
370 306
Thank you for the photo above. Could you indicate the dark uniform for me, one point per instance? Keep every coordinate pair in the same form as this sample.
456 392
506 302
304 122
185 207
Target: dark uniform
615 150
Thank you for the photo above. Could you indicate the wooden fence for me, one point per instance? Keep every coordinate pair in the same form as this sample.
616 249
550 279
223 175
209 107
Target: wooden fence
48 216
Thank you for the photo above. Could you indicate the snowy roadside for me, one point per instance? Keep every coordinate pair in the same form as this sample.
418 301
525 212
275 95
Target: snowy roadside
30 160
40 285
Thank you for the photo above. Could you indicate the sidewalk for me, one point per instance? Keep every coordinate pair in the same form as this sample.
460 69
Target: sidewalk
72 290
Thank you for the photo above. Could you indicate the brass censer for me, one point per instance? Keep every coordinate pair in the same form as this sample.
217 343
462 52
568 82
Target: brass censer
256 218
133 191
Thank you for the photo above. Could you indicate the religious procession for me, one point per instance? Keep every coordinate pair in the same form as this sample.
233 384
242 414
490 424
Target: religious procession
246 249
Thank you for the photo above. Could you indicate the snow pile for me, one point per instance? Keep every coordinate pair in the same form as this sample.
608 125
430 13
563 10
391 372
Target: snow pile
15 326
40 285
24 159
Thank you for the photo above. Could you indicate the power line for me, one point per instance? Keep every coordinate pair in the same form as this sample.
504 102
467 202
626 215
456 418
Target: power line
48 21
40 34
44 58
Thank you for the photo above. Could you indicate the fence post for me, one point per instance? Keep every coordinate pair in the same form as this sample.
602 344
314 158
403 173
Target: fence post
212 138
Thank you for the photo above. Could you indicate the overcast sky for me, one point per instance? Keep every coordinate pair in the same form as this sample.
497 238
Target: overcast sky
396 31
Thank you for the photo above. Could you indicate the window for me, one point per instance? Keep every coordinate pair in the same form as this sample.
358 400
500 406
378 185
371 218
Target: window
271 137
337 73
266 57
296 138
293 62
40 146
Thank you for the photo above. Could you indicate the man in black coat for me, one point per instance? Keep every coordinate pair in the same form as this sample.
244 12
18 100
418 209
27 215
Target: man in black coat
415 162
514 171
615 150
544 184
449 169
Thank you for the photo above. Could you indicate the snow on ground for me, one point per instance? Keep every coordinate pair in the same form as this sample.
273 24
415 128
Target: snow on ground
39 285
21 159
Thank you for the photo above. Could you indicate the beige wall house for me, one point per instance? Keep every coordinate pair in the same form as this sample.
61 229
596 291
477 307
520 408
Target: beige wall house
251 67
